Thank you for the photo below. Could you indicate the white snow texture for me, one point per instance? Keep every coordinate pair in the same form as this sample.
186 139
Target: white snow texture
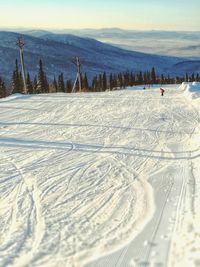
82 176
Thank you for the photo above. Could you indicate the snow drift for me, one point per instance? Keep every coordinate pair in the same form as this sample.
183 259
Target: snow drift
192 90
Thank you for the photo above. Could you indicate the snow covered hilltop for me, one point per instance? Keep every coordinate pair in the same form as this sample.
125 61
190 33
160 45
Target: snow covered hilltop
100 179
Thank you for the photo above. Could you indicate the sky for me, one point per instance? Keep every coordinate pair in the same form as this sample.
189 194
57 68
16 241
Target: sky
79 14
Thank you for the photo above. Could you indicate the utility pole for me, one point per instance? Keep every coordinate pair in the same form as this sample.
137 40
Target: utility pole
20 43
76 61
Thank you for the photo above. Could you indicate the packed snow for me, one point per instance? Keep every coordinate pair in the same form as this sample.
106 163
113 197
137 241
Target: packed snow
100 179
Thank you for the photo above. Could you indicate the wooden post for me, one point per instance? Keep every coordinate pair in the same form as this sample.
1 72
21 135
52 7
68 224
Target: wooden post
20 43
79 73
76 62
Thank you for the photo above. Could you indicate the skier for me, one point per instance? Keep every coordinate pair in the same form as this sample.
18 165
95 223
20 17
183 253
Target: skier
162 91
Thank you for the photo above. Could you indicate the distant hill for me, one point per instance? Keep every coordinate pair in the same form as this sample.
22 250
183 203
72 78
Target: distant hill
169 43
57 50
187 66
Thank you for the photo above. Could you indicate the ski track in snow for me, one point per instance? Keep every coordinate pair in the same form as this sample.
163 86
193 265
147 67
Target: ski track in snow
83 174
172 179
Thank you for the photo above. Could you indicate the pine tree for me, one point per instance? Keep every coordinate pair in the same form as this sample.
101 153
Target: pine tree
42 83
186 77
61 84
119 81
162 79
145 77
95 84
85 84
29 84
69 86
140 78
115 81
127 79
168 79
104 82
3 92
35 85
100 83
46 84
148 78
132 81
193 77
55 85
111 82
153 76
17 81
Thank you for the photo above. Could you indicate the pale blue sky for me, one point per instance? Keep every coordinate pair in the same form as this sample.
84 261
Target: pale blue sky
128 14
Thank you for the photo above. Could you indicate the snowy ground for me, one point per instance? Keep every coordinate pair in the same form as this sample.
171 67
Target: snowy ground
83 174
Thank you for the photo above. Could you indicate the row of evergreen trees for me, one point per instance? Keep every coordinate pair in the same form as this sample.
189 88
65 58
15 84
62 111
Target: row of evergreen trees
3 91
100 83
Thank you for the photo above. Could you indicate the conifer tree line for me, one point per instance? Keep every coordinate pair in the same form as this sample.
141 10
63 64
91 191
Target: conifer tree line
99 83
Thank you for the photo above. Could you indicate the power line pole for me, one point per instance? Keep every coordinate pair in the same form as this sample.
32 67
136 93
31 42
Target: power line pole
76 61
20 43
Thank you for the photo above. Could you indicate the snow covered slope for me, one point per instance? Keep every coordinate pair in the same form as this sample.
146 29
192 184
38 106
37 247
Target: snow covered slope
83 174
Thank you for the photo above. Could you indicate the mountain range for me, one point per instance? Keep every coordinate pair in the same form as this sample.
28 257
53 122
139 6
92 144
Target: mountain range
57 51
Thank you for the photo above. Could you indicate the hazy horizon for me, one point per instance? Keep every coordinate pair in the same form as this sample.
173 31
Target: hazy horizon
82 29
177 15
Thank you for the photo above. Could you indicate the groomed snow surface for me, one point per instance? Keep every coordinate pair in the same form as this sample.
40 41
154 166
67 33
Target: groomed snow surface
101 179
